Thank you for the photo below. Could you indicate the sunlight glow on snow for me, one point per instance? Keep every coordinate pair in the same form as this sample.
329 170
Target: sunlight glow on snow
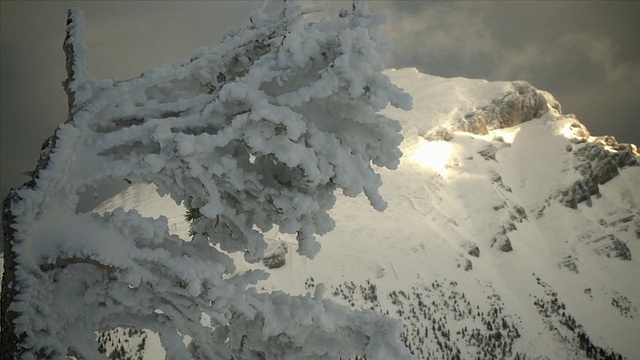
432 154
567 131
571 132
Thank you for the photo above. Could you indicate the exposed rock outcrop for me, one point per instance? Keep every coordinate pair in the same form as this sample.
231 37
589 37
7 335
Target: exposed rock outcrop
599 161
504 244
468 265
579 191
569 262
621 154
523 103
520 105
488 152
473 250
612 246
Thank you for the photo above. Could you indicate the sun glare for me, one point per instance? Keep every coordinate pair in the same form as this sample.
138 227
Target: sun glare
432 154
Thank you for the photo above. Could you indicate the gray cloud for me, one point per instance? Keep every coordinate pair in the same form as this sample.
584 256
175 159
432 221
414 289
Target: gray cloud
585 53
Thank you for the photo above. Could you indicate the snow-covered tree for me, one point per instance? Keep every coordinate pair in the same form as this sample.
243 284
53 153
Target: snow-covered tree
257 132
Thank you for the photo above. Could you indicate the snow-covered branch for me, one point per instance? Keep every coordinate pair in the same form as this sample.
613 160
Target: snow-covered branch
258 132
62 262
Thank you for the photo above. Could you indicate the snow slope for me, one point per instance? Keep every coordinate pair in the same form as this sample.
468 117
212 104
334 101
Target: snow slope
478 252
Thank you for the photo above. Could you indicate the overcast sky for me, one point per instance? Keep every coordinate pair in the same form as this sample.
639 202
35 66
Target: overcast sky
586 53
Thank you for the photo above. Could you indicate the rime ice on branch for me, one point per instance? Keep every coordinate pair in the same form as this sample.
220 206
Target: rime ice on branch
258 131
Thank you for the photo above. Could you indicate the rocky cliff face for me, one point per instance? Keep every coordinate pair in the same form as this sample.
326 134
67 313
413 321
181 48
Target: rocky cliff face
523 103
520 104
598 160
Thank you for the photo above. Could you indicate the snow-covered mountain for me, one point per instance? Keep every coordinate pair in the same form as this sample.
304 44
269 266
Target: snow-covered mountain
511 232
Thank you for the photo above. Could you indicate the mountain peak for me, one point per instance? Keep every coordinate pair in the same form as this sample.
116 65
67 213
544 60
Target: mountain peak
597 159
520 103
511 231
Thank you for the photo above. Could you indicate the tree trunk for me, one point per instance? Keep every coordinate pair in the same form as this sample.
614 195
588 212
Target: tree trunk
8 338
